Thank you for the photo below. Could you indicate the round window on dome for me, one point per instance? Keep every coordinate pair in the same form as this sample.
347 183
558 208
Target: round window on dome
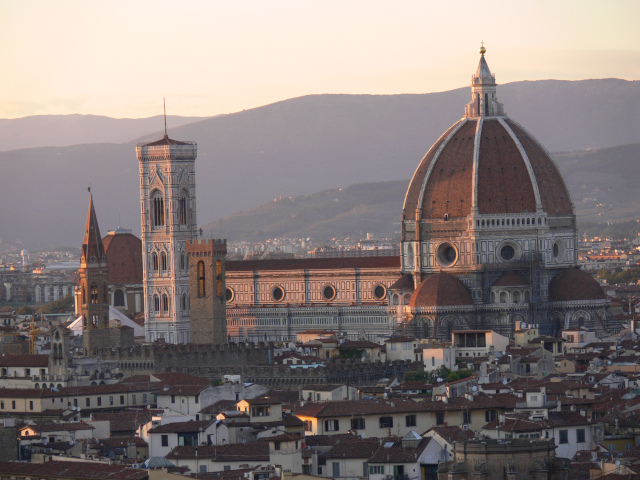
507 252
379 291
328 292
229 295
447 255
277 293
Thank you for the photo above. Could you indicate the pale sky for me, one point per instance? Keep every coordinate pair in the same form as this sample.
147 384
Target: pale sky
119 58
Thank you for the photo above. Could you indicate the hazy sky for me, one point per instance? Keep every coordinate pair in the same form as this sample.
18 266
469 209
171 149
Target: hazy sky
119 58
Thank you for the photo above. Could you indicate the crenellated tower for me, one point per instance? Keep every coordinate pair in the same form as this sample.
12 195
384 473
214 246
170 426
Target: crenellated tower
168 217
207 282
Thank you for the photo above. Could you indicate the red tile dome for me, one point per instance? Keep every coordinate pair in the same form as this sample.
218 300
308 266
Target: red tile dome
486 163
441 290
490 163
124 257
574 284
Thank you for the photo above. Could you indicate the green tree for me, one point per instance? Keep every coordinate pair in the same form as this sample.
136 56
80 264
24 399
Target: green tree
25 310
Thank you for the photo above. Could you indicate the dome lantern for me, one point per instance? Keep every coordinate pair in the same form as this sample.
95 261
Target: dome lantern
484 101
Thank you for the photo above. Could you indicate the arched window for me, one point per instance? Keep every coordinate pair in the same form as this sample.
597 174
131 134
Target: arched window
201 279
165 303
94 294
182 208
154 261
183 302
156 304
183 261
84 295
503 297
157 209
516 297
219 278
163 261
118 298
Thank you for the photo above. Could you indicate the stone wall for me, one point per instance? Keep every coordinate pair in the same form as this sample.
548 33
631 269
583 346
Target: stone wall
167 357
8 444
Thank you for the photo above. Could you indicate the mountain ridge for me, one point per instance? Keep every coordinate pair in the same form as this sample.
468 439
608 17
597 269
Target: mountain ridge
295 147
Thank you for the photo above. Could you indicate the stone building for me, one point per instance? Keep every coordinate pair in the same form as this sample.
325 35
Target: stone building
168 217
91 296
516 459
92 302
488 240
207 285
489 232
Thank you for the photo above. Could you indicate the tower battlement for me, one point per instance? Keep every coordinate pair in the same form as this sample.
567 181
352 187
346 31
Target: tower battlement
207 247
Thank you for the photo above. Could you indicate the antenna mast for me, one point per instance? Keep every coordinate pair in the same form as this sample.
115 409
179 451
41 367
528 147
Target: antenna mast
164 104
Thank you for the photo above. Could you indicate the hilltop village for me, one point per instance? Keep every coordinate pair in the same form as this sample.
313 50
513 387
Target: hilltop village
480 345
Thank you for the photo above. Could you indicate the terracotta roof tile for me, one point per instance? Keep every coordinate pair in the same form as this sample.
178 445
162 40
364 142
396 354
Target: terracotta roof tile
235 452
384 262
72 470
182 427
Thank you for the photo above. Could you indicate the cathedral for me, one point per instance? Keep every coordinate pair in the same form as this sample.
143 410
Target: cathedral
488 240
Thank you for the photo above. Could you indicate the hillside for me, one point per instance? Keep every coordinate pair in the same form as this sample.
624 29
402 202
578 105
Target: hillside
63 130
296 147
599 192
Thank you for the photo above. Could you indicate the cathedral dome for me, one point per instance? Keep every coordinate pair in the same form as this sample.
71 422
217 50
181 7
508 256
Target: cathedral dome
124 257
441 290
573 284
485 164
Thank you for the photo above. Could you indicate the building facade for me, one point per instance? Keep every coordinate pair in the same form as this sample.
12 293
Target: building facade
168 218
489 231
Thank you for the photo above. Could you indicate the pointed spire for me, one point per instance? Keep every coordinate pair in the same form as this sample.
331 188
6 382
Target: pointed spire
92 247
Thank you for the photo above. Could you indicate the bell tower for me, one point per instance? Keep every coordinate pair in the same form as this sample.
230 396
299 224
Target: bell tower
168 218
93 273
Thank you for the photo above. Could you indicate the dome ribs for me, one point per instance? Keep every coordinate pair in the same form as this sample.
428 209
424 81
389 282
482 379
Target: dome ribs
553 191
504 185
448 188
415 186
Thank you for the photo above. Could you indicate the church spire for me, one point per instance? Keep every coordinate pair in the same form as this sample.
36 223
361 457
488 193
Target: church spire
483 91
92 247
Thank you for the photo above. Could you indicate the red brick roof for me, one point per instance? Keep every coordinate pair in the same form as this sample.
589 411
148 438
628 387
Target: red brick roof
192 426
441 289
34 361
165 141
125 420
403 284
235 452
397 453
72 470
453 434
124 258
502 177
364 448
59 427
574 284
383 262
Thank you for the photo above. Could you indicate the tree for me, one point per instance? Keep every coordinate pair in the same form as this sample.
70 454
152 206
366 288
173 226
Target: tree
25 310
